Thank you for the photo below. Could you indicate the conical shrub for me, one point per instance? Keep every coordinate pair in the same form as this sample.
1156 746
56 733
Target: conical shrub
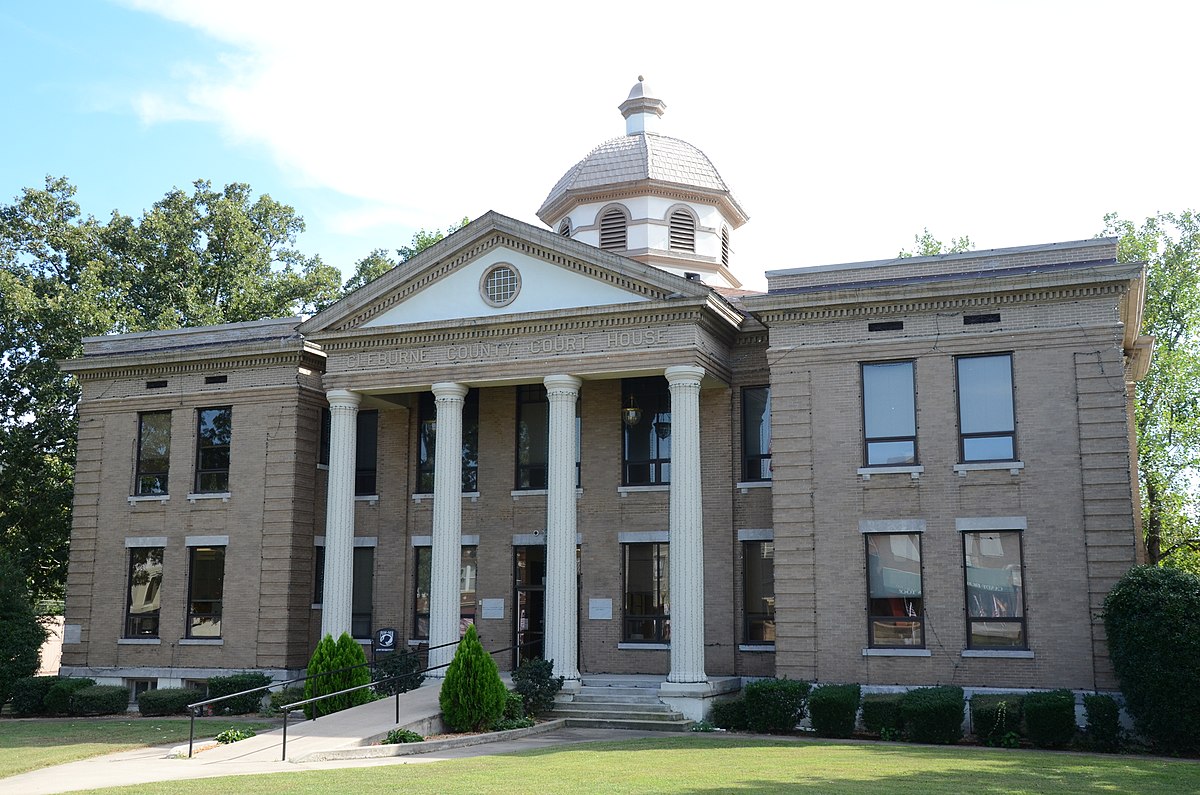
472 696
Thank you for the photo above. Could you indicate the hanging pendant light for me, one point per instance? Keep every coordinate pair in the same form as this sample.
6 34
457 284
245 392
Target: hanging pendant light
631 414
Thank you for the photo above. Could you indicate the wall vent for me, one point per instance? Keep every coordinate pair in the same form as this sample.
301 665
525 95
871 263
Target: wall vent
886 325
216 379
974 320
156 385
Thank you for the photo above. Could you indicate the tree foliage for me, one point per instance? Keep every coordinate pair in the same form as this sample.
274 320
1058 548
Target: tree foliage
377 263
1168 398
926 245
345 657
472 697
21 636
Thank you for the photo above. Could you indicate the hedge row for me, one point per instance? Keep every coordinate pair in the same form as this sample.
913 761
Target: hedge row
53 695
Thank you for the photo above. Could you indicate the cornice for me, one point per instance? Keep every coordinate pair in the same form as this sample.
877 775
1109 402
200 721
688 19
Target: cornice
146 365
644 187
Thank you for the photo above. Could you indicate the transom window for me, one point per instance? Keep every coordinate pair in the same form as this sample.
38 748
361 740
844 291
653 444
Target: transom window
647 593
995 590
154 452
895 604
613 230
986 421
889 414
500 285
682 231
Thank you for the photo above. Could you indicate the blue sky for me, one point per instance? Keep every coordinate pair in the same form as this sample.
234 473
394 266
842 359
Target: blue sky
844 129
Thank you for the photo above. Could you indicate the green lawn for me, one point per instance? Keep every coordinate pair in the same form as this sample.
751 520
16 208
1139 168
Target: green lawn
730 764
30 744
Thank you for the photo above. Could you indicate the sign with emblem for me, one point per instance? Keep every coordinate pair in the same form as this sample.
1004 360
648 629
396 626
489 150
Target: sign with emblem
385 640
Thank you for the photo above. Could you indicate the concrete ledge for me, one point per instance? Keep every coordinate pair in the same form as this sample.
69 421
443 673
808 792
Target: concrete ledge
427 747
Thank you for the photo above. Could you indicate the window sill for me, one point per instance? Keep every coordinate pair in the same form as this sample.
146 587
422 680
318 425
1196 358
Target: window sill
1013 467
474 495
757 647
1013 654
317 606
159 498
866 472
623 490
138 641
323 466
223 496
644 646
201 642
897 653
519 493
418 641
369 499
746 485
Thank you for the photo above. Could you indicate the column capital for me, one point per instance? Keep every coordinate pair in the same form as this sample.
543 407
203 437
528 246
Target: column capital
684 373
449 389
562 381
343 398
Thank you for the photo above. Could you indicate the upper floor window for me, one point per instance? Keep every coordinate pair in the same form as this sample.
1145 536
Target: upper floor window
986 421
145 592
213 432
756 433
533 437
206 591
613 235
889 414
895 606
995 590
682 231
646 416
154 452
366 450
758 574
427 442
467 576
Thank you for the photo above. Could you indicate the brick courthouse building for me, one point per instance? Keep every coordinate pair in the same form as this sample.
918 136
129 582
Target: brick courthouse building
586 439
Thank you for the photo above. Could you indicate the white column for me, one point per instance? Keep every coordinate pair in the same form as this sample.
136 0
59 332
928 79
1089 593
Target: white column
562 608
446 563
339 512
686 528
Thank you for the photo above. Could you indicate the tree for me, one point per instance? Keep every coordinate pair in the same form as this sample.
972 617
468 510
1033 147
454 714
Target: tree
926 245
1168 398
423 239
378 262
21 636
472 697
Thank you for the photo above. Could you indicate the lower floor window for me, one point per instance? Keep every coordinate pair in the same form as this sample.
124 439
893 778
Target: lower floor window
758 567
468 572
206 589
647 593
362 589
138 686
895 605
145 590
995 590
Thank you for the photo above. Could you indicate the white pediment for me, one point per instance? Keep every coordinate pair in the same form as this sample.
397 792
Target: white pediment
544 287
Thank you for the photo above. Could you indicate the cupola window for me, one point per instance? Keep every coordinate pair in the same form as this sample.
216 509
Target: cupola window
612 230
725 247
683 231
564 228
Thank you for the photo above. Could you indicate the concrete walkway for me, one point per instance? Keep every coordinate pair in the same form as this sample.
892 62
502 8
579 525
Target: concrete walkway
353 728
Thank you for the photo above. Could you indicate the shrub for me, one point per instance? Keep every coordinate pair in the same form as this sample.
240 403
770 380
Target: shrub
834 709
21 634
535 682
995 717
234 735
330 655
1050 718
1103 723
236 683
398 736
1152 618
730 715
166 701
775 705
289 695
514 707
58 697
29 695
881 713
933 714
100 700
472 696
405 665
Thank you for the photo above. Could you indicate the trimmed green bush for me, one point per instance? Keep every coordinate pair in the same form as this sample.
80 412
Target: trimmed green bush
1050 718
234 735
996 717
330 655
1103 723
1152 619
933 714
397 736
236 683
289 695
100 700
833 709
472 696
29 695
514 706
729 715
166 701
775 706
401 664
881 714
21 634
535 682
58 697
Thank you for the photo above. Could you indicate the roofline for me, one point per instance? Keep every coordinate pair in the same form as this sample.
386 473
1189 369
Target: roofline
293 321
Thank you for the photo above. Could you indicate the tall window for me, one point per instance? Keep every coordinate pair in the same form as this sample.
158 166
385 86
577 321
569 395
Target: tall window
206 589
613 230
468 572
647 593
986 423
427 442
895 606
758 572
647 423
214 428
682 226
533 437
889 414
362 588
145 588
154 452
756 433
995 590
366 450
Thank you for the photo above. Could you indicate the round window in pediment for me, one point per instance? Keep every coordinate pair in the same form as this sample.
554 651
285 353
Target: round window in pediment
500 284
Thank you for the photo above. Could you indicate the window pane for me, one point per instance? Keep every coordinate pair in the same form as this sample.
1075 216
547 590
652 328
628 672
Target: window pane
891 453
889 403
366 450
145 588
533 436
988 448
362 592
154 452
214 428
427 441
990 634
468 573
206 587
759 570
985 397
756 433
647 443
993 563
894 589
647 593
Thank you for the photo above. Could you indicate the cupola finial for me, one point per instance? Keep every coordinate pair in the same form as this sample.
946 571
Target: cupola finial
640 109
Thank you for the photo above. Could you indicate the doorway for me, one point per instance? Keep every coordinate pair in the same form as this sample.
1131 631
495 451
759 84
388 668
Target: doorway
529 600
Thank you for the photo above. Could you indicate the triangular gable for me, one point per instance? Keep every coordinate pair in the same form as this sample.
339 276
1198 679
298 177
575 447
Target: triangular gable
443 282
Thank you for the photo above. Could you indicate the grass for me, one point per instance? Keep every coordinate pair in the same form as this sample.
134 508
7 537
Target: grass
31 744
732 764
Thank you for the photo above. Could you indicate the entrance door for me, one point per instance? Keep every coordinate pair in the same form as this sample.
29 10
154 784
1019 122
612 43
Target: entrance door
529 599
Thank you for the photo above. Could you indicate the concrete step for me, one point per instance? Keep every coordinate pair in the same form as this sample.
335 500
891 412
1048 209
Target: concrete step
651 692
622 682
574 707
627 723
586 696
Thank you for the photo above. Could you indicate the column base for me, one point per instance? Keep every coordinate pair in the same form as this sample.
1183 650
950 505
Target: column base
694 699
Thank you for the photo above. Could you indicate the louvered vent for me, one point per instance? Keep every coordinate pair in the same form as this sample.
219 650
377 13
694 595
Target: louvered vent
725 247
612 230
683 231
564 228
